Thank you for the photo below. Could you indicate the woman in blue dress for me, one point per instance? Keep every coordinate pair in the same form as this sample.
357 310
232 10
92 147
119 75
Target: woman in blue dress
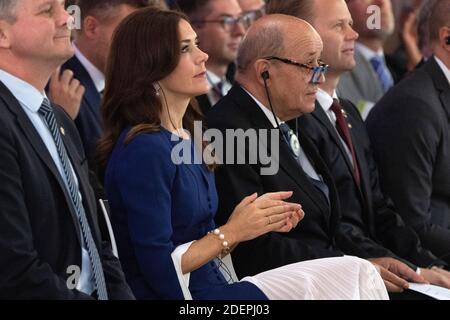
162 194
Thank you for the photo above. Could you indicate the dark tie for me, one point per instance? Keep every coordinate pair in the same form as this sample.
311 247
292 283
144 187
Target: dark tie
48 116
218 90
290 138
342 127
383 73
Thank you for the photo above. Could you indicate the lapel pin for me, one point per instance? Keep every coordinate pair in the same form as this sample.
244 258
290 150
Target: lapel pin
349 125
63 132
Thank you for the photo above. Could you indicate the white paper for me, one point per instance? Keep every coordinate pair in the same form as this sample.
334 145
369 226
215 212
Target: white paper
436 292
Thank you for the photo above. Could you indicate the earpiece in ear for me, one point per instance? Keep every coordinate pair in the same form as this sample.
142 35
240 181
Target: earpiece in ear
448 40
265 75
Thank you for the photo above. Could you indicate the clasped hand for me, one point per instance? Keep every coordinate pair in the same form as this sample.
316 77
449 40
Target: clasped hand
255 216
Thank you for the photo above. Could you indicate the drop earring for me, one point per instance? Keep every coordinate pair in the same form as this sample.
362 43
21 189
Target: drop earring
157 88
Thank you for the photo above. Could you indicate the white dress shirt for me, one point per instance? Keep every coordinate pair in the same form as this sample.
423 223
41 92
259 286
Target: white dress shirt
31 100
303 159
96 75
213 81
444 68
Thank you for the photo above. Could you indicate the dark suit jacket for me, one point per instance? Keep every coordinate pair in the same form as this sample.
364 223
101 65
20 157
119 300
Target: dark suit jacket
204 103
410 133
314 236
89 119
39 230
370 224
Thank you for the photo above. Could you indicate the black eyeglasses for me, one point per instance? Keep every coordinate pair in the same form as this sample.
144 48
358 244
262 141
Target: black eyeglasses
229 23
317 72
256 14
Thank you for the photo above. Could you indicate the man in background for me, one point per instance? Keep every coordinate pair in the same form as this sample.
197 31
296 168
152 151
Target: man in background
410 134
371 78
99 19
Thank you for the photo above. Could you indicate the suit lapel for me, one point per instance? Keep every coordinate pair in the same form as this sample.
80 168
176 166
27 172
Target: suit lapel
444 96
323 170
38 145
321 116
365 190
441 84
366 76
286 160
76 165
363 170
91 96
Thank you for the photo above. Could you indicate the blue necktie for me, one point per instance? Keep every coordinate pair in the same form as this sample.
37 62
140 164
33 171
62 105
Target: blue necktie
48 116
383 73
294 145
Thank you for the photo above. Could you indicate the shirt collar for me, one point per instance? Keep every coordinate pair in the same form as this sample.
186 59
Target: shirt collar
324 99
368 53
269 114
213 79
27 95
444 68
96 75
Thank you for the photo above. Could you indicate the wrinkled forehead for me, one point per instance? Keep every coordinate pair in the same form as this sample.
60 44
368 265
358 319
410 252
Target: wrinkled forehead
303 44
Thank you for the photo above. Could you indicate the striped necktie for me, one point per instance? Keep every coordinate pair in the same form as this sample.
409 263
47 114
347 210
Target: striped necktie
382 72
46 112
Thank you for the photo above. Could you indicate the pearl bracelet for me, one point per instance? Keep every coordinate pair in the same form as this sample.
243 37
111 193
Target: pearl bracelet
226 249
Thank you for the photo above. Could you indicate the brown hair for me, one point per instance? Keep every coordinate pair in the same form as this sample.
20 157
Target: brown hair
439 17
303 9
194 9
103 9
145 48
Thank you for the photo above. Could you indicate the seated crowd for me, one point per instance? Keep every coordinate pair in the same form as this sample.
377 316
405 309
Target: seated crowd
223 149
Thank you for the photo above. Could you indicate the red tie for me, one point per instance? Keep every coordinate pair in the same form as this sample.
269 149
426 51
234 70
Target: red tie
342 127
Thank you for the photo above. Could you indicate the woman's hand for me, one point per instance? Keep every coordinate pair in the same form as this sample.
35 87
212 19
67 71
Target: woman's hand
256 216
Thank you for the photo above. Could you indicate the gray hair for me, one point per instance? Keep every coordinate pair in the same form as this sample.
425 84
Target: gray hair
267 42
8 10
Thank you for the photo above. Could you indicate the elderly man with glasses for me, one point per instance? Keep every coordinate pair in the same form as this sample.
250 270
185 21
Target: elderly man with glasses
279 71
